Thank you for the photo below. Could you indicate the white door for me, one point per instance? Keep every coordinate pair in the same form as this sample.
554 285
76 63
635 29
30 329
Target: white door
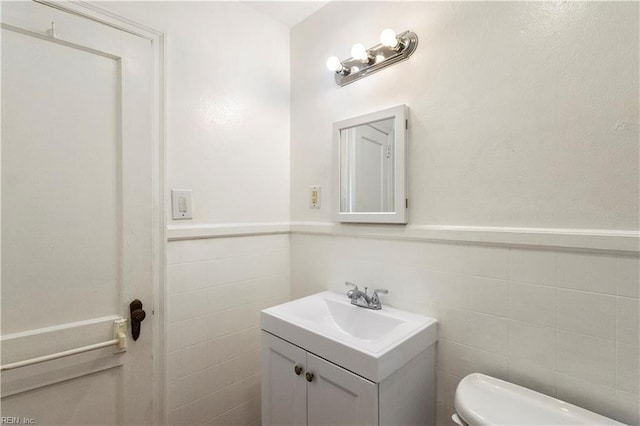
77 209
284 394
336 396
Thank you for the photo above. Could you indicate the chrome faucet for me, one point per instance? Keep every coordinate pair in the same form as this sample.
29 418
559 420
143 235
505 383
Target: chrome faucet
362 298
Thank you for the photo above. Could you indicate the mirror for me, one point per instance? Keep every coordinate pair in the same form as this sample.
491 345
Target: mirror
370 169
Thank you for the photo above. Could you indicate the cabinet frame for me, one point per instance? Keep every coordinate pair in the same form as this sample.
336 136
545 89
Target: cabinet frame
406 397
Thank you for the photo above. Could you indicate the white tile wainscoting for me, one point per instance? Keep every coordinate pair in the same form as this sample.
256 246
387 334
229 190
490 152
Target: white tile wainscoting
562 322
216 289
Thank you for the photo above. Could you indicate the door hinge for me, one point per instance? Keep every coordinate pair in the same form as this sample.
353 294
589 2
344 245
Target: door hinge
406 203
406 123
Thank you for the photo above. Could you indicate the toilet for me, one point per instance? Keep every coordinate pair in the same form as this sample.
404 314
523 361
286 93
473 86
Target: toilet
485 400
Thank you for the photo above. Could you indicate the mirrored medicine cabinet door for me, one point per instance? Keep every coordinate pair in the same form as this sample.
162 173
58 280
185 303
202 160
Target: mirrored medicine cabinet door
370 167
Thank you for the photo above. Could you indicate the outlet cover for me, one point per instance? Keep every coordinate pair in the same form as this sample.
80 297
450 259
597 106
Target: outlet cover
315 192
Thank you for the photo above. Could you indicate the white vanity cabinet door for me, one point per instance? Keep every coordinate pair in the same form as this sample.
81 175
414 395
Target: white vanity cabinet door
284 393
336 396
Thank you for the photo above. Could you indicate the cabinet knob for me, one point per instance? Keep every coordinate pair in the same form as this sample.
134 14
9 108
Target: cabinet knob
297 369
309 376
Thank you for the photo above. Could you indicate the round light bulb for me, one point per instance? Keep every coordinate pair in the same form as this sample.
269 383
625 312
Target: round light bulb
334 64
388 38
359 52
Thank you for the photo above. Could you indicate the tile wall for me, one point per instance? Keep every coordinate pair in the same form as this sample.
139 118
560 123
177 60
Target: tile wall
564 323
216 289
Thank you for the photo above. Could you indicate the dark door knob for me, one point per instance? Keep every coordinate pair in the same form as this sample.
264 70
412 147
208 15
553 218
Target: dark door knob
297 369
309 377
137 315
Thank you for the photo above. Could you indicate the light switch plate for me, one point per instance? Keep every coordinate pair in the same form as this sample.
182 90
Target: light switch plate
315 192
181 204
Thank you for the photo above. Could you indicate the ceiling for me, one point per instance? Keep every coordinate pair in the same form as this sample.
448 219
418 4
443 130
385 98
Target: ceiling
288 13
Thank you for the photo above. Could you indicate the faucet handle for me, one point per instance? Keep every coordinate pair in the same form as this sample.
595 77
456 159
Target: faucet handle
350 292
375 298
350 284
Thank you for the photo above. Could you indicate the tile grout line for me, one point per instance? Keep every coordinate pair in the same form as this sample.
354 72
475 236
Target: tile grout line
233 256
557 322
224 388
227 283
226 310
231 409
509 316
615 335
216 365
227 335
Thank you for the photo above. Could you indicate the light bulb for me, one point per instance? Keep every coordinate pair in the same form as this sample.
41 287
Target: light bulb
359 52
334 64
388 38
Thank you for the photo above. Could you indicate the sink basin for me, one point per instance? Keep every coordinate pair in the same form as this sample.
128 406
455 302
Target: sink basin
372 344
338 316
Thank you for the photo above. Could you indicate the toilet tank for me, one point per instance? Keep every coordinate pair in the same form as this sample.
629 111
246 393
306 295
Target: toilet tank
485 400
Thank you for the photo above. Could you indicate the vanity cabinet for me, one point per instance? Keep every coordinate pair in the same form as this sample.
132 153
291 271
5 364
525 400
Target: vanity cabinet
328 362
300 388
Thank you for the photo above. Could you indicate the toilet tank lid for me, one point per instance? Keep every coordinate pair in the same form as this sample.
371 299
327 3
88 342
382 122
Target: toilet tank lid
485 400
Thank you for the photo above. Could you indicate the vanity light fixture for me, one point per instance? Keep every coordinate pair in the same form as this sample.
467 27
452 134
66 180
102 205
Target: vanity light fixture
392 48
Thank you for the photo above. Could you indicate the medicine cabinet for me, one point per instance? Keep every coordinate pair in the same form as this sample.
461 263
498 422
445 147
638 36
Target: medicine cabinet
370 171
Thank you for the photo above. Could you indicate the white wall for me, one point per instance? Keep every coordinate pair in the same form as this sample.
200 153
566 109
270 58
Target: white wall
217 288
227 126
560 322
227 107
521 115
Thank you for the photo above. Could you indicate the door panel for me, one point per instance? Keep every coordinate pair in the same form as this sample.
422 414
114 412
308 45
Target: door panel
77 209
61 193
372 159
336 396
90 397
284 395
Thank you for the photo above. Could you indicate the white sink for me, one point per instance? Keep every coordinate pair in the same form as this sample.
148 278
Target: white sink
370 343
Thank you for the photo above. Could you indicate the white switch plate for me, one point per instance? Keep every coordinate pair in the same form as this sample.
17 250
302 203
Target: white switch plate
181 206
315 192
